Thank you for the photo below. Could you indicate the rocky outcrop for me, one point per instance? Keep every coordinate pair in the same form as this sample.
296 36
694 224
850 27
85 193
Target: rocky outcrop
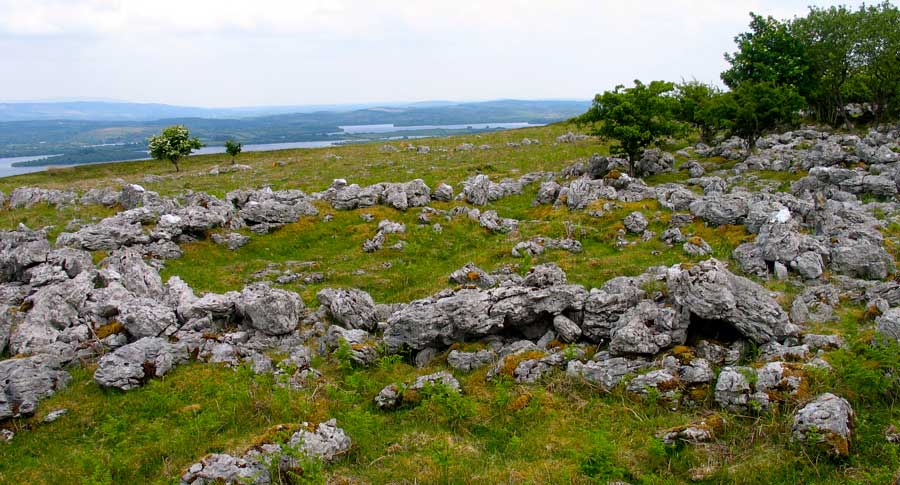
26 381
709 291
270 310
132 365
350 308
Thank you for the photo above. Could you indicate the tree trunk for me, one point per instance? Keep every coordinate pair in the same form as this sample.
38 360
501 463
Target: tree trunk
175 162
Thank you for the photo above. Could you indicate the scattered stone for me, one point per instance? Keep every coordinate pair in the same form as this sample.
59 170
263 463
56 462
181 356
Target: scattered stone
635 223
825 422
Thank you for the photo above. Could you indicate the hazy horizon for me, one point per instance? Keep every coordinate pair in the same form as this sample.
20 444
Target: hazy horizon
207 53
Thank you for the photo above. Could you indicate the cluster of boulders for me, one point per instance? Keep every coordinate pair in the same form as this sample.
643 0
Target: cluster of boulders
58 307
187 218
324 441
401 196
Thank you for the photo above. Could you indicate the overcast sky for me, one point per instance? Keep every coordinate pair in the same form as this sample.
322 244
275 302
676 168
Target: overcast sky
278 52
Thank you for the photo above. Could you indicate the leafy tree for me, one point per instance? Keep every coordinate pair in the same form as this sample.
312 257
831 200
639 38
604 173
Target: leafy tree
770 52
879 53
233 148
174 143
637 117
755 108
830 37
696 101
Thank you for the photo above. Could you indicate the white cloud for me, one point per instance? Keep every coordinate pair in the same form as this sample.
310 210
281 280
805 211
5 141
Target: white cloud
221 52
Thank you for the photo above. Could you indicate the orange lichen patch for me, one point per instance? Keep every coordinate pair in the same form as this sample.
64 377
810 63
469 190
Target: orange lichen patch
360 346
837 444
683 353
520 402
411 396
696 240
697 394
191 408
613 174
669 385
211 335
712 423
110 328
555 344
510 362
472 276
872 312
280 433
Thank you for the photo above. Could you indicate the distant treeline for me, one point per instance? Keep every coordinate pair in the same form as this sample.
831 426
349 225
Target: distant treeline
77 139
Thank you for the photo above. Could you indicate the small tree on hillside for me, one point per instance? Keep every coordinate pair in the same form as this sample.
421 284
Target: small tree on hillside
174 143
233 148
755 108
636 117
696 102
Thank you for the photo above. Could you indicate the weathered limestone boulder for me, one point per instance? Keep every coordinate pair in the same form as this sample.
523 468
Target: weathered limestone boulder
24 382
106 196
719 209
128 267
130 366
231 240
272 311
24 197
828 422
54 308
888 324
861 256
442 319
443 192
326 443
476 189
734 391
472 275
544 276
635 223
146 317
605 371
110 233
351 308
648 328
494 223
469 314
655 161
218 468
567 330
469 361
711 292
605 306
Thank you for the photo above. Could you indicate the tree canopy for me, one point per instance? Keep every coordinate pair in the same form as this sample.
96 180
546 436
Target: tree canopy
233 148
174 143
636 117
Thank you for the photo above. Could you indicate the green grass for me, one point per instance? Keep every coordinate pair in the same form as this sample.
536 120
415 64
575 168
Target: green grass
557 431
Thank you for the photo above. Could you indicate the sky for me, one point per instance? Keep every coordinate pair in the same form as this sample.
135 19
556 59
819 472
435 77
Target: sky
224 53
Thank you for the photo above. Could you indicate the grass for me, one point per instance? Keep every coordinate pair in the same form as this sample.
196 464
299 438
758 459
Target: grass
557 431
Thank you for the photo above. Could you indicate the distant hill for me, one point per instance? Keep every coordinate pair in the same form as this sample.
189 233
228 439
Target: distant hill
91 110
121 129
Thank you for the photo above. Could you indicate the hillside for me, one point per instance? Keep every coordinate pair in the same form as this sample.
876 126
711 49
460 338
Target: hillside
713 321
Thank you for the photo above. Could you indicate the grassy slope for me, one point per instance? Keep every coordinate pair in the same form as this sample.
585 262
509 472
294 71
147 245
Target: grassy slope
557 431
